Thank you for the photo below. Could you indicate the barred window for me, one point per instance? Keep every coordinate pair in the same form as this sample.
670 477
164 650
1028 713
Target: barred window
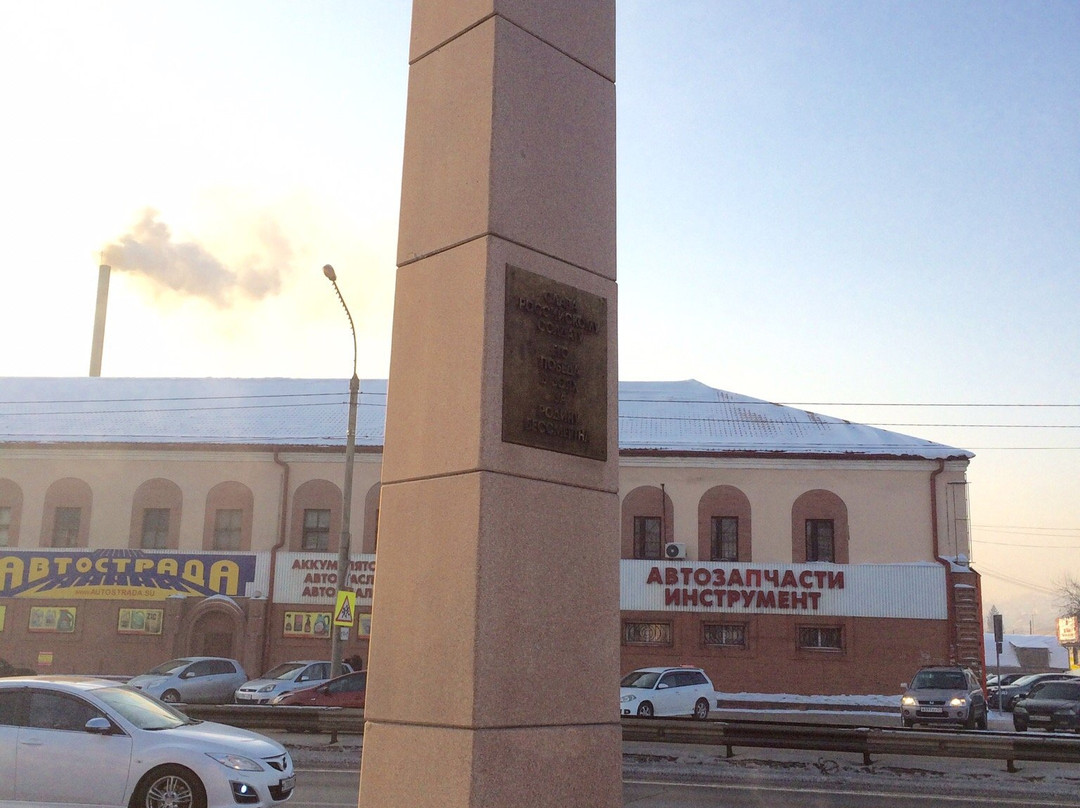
647 634
729 635
821 638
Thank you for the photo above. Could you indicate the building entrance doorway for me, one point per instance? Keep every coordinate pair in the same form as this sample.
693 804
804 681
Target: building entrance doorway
214 633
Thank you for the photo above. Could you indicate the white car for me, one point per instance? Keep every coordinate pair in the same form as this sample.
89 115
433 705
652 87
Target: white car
285 678
192 680
649 692
76 740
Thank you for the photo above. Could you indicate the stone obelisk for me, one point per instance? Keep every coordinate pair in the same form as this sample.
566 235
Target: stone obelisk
494 655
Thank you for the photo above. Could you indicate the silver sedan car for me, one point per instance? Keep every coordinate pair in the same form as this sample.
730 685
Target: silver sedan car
74 740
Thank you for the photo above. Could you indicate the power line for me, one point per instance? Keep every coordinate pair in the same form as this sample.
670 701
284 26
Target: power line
1034 587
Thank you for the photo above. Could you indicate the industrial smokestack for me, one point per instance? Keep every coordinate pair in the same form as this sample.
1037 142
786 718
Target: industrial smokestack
99 319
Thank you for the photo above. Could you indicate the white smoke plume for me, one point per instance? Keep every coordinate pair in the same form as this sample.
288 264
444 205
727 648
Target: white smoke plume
188 268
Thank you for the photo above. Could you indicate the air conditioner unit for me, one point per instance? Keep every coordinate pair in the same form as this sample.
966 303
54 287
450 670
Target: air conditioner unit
675 550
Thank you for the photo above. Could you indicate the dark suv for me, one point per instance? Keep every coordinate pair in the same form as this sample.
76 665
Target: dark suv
1005 697
944 694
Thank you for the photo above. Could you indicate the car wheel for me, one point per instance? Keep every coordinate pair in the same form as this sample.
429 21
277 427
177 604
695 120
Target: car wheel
1019 727
701 710
908 723
170 697
645 710
982 720
169 787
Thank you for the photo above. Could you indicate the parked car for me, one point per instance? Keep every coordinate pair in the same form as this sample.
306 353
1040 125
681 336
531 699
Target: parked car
649 692
347 690
993 680
193 680
944 694
284 678
1050 705
83 740
1003 698
7 669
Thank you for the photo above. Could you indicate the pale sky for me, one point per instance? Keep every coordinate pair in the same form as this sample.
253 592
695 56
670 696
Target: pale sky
820 203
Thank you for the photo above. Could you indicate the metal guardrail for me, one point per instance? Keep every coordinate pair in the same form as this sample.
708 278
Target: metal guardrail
332 720
867 741
1007 746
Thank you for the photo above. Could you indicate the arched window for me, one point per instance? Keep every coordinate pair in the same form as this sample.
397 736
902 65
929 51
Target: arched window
155 515
11 500
371 519
229 512
66 518
647 522
316 517
724 525
819 528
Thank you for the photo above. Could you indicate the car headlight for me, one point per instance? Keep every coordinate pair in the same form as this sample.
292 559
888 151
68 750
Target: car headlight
237 762
909 701
958 701
267 688
626 699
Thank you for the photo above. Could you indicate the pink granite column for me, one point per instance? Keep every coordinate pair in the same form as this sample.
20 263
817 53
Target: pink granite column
494 665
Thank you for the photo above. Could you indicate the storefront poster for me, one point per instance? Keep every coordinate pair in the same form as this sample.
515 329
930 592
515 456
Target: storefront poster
60 620
140 621
363 624
307 624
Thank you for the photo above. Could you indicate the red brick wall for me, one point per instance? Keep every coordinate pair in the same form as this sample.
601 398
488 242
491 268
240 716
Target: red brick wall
878 654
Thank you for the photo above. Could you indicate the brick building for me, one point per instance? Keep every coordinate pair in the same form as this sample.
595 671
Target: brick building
783 550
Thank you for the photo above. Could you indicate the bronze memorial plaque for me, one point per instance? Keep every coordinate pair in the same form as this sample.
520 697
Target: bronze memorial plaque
554 366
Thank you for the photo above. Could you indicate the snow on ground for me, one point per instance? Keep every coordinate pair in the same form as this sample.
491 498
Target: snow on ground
797 699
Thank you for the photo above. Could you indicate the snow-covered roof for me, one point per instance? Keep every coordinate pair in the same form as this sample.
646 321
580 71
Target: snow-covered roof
684 417
1057 657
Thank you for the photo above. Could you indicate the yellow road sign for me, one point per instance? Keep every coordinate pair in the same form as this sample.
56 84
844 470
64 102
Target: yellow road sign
345 608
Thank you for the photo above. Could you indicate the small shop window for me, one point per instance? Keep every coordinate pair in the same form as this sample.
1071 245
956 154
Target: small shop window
647 543
227 525
725 635
725 538
66 523
316 534
635 633
155 528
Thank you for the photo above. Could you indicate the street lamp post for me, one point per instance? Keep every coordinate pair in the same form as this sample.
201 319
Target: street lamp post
338 634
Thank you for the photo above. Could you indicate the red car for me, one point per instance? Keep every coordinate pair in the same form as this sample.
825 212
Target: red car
347 690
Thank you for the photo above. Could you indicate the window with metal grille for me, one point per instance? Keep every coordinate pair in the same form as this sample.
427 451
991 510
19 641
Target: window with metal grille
647 634
819 540
823 638
227 525
727 635
316 529
66 523
647 542
155 529
725 538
